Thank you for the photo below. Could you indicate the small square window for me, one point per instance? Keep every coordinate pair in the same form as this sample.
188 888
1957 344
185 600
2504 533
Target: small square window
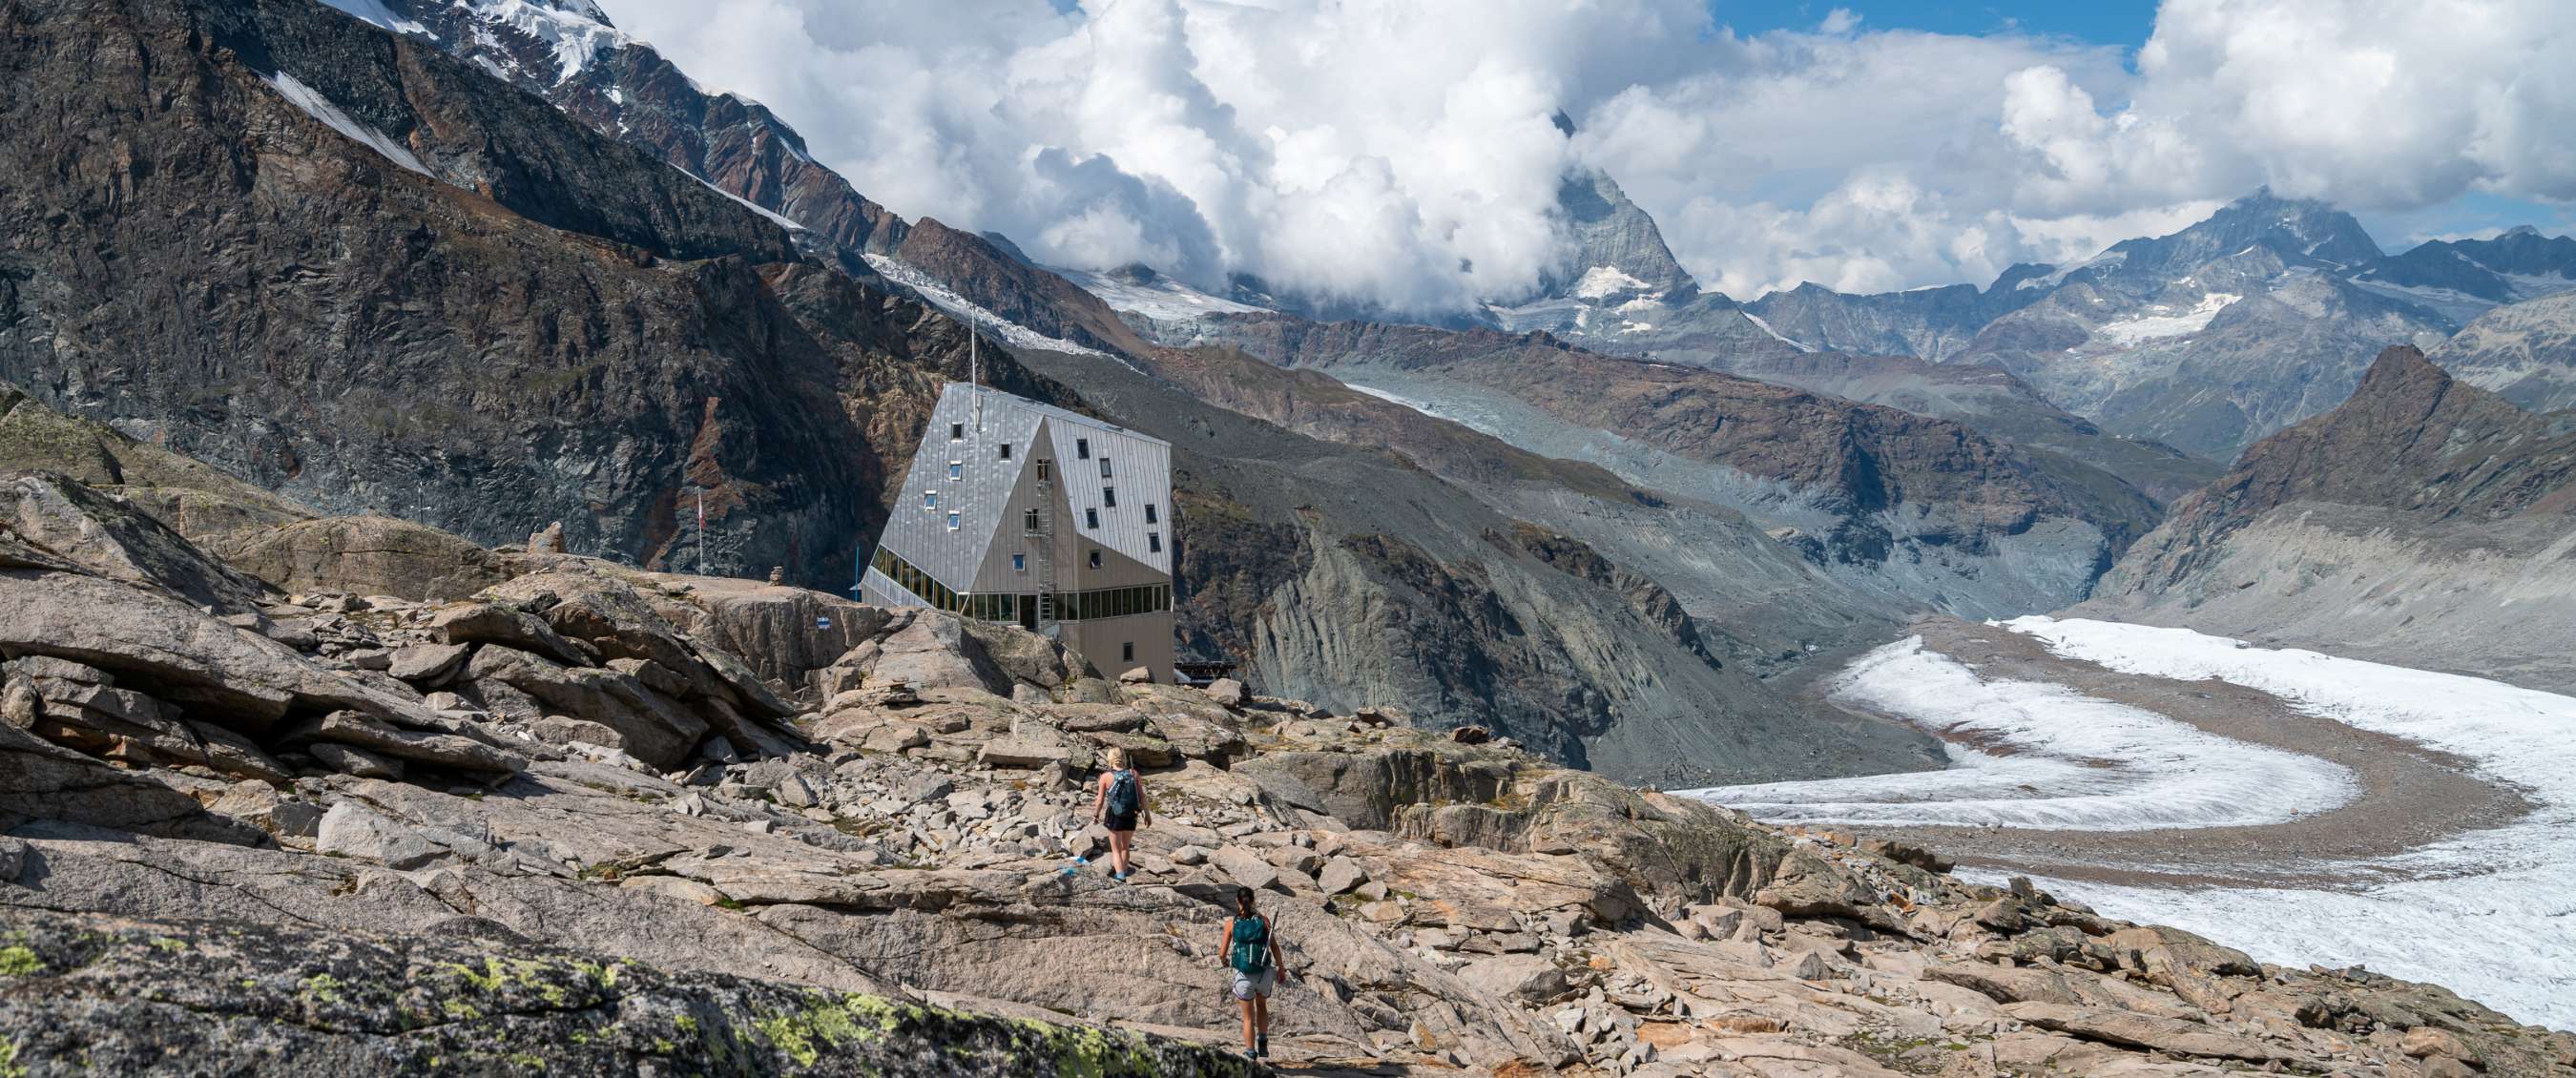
1091 519
1104 467
957 432
1019 563
1095 557
1149 514
1082 449
952 522
1127 652
1109 496
1154 542
1006 450
956 469
930 499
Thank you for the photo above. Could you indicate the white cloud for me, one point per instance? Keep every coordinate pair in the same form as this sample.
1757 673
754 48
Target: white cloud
1402 152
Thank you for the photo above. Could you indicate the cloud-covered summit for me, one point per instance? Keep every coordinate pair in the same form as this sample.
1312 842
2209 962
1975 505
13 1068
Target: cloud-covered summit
1404 154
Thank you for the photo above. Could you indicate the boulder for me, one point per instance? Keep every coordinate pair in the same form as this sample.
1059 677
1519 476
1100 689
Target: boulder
1245 867
350 760
1137 676
352 830
933 651
653 728
441 750
2426 1041
1193 726
566 730
2170 1035
113 539
1028 751
428 665
783 633
157 644
1527 978
1340 874
491 623
44 781
1226 691
1810 886
367 555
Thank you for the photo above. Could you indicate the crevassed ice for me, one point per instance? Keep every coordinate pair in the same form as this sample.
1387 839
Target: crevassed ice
2061 760
2491 914
320 108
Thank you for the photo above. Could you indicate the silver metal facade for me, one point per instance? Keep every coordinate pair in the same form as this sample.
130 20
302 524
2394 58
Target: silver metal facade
959 474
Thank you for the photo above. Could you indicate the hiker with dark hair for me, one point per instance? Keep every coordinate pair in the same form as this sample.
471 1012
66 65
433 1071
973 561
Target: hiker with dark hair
1252 955
1118 805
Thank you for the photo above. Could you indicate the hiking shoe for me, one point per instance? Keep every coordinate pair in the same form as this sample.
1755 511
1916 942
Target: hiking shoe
1261 1047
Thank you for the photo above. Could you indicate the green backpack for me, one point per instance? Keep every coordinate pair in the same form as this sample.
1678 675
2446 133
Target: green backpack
1251 945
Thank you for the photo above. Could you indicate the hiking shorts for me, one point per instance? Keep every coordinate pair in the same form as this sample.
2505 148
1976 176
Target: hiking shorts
1255 985
1116 822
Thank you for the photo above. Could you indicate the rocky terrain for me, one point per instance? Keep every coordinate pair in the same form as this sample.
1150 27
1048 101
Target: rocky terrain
2524 352
593 819
2425 522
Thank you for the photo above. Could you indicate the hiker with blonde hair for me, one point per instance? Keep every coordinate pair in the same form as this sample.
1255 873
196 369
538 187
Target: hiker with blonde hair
1251 955
1118 804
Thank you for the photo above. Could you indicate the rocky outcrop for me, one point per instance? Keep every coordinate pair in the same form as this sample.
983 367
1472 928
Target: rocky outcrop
366 555
2425 521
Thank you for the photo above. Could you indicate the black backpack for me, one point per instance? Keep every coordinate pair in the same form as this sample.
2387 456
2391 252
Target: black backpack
1123 797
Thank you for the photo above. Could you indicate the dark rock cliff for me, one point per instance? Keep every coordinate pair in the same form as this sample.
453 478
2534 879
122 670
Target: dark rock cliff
553 325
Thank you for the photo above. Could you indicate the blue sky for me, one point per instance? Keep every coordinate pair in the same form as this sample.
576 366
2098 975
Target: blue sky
2125 22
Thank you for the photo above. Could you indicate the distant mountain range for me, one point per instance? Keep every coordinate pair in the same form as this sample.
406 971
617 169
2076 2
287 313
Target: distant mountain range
2205 340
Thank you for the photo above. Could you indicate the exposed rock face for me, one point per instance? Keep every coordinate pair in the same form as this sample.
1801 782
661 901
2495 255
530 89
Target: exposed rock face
366 555
117 540
2424 521
1340 576
2525 352
1610 233
1893 502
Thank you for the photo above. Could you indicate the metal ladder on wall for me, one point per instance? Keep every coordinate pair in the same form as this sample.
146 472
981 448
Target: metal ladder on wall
1047 613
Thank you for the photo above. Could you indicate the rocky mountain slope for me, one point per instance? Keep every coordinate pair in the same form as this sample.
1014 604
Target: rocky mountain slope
2524 352
1351 576
2425 521
2214 336
352 829
1922 511
368 277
